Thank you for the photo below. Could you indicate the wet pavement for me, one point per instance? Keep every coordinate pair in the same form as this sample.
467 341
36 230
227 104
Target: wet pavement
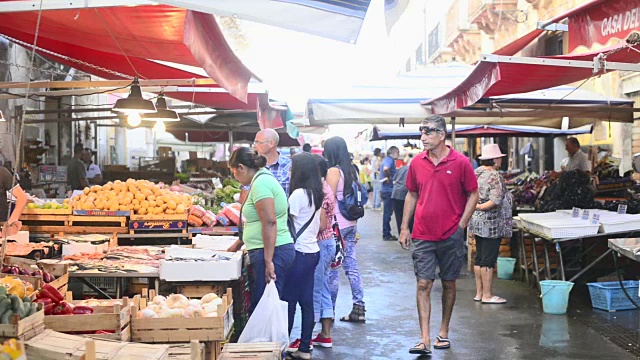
516 330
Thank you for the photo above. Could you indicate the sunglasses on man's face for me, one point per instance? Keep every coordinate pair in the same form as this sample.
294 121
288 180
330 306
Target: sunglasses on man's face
427 130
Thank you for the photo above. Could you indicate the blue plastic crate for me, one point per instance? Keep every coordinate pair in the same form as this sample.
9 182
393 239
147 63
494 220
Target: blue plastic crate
610 296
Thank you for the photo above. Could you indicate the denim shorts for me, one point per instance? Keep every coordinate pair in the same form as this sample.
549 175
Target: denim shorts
447 254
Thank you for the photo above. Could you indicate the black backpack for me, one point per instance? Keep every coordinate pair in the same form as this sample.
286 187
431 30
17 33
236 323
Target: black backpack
352 205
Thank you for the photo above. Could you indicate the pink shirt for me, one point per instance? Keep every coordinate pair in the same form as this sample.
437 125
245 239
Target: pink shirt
342 222
442 190
328 205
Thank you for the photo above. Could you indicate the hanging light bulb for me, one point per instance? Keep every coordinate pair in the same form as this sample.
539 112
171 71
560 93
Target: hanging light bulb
134 103
133 119
159 127
163 113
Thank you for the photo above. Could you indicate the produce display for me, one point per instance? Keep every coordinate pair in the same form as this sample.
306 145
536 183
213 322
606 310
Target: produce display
179 306
14 304
572 189
54 304
16 286
16 270
142 197
10 350
42 204
226 194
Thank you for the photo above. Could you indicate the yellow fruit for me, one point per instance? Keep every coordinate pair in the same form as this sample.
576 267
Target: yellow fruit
171 205
140 196
159 201
170 212
142 211
122 207
86 190
66 201
136 207
152 203
114 207
31 206
144 204
135 202
180 209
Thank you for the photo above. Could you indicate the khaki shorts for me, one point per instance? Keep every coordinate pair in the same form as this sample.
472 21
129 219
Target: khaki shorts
447 254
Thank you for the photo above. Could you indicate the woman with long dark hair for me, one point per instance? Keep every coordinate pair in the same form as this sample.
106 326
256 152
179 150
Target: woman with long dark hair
265 234
322 304
306 219
340 177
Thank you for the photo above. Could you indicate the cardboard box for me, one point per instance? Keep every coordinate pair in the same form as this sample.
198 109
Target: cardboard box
215 270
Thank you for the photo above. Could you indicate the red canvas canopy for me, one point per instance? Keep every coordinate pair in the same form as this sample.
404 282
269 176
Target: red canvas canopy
127 40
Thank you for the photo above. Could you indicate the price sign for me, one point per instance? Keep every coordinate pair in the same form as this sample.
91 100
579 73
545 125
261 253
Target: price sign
622 209
575 213
596 219
585 215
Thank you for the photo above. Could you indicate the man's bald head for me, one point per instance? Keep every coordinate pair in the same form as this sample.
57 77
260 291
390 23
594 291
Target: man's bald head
266 141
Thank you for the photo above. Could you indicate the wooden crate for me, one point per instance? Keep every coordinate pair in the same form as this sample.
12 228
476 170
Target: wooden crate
28 211
159 217
24 329
52 345
98 221
116 318
139 224
192 351
35 220
60 271
198 291
253 351
184 330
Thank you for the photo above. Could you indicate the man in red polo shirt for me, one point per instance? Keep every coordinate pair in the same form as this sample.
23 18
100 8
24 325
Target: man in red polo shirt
443 192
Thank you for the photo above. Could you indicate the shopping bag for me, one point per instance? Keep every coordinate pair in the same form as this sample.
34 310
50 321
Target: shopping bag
341 246
269 321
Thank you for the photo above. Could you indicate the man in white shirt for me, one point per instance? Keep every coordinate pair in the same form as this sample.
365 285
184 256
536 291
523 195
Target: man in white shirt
94 175
578 160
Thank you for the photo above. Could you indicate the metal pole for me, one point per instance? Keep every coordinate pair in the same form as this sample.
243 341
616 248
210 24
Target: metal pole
590 265
230 144
453 133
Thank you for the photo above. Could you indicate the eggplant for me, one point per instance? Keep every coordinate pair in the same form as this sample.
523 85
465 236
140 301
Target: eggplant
37 273
22 271
14 271
47 277
6 269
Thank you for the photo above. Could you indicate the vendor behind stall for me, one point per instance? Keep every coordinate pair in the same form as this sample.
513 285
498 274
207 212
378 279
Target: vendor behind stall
94 175
578 160
7 184
76 170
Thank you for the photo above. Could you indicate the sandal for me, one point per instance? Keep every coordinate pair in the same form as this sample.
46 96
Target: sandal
495 300
477 299
356 315
442 340
420 349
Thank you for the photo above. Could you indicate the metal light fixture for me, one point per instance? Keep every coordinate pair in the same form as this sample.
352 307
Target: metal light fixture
162 113
159 127
2 119
133 119
134 103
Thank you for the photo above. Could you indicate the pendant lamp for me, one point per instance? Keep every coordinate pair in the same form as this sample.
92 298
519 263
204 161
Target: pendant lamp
162 111
134 103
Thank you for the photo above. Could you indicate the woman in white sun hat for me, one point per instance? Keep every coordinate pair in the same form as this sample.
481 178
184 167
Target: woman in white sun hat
490 222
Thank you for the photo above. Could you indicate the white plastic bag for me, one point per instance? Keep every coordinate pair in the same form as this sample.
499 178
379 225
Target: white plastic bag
269 321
